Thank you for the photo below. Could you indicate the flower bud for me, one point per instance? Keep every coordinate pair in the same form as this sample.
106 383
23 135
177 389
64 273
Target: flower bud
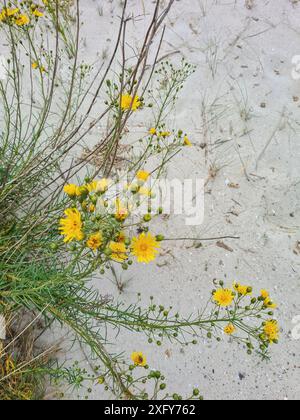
101 380
107 252
147 218
54 247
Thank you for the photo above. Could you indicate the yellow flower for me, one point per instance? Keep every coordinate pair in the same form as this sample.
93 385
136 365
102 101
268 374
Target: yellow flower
22 20
271 330
145 248
242 290
153 131
270 304
8 12
145 191
267 300
102 186
165 134
229 329
92 186
223 297
138 359
36 66
119 251
12 12
187 142
71 190
121 211
142 176
95 241
128 102
38 13
71 226
92 208
264 294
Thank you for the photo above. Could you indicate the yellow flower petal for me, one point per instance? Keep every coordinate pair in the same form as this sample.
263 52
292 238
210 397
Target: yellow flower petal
145 248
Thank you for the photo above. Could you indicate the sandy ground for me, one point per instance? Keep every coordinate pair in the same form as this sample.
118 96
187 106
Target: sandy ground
241 109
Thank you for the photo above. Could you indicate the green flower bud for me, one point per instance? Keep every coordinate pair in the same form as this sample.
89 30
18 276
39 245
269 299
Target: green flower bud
134 189
54 247
147 217
83 192
94 199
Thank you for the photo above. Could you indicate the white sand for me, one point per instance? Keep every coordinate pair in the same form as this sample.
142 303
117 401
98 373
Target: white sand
250 102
